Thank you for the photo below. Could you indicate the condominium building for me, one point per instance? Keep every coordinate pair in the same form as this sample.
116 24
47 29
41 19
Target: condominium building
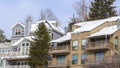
91 44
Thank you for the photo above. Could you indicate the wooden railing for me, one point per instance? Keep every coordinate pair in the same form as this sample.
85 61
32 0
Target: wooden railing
99 45
106 59
60 49
61 64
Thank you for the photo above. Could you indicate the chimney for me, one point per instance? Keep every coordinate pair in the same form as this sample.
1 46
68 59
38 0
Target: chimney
28 26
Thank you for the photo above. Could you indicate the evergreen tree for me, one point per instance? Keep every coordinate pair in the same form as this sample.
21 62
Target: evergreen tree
39 47
2 37
101 9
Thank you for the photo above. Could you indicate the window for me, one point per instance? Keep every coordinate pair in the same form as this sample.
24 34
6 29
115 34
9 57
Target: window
22 63
18 63
15 48
99 57
49 57
25 48
74 59
61 59
27 44
19 49
75 45
83 58
18 31
8 50
116 43
1 62
23 44
84 43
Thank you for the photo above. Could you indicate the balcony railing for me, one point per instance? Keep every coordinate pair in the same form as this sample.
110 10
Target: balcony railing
18 66
106 59
99 45
60 64
60 49
5 54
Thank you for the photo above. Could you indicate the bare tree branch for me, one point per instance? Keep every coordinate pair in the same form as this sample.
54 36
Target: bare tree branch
47 14
82 9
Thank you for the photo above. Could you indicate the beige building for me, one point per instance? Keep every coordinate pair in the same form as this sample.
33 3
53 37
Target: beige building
89 45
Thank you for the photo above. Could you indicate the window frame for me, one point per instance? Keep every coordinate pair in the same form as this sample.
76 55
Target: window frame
75 48
61 59
84 41
76 60
18 32
83 60
116 43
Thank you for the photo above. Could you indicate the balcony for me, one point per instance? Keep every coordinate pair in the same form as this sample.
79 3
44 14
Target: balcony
102 60
99 45
10 54
60 49
18 66
57 65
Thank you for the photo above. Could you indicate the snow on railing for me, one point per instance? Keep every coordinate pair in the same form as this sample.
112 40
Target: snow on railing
17 53
18 66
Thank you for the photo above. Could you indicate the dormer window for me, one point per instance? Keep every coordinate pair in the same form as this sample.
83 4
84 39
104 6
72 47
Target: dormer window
18 32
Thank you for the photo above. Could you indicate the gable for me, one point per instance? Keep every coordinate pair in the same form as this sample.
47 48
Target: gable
18 24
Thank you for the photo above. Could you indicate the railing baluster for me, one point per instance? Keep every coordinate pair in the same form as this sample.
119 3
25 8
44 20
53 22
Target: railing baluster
99 44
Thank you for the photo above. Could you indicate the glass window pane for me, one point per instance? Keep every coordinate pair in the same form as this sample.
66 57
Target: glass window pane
84 42
84 56
61 59
23 44
99 56
75 43
116 42
74 58
0 62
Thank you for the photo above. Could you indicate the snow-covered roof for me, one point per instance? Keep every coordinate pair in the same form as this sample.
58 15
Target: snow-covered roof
63 38
48 25
89 25
106 31
47 21
20 40
20 23
80 24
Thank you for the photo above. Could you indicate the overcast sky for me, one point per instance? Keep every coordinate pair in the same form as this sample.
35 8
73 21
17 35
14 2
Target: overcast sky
12 11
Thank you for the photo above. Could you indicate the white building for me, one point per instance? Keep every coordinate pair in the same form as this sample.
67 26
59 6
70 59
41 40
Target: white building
15 53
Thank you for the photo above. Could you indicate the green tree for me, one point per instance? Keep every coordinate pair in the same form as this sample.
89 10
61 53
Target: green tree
2 37
101 9
39 47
